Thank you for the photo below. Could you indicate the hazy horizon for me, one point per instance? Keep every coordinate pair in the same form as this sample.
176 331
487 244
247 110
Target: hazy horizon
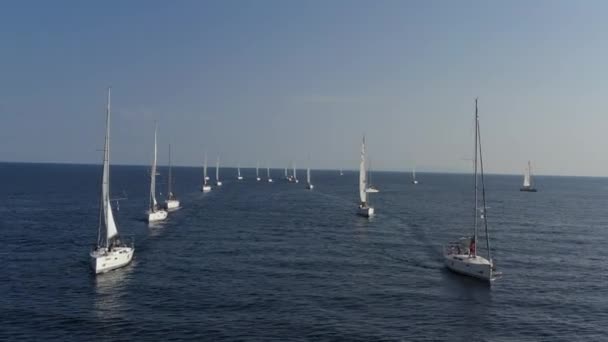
278 81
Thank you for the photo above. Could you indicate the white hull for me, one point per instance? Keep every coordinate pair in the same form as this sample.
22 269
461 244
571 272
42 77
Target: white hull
206 177
472 266
415 182
310 186
172 204
269 180
103 261
365 211
372 190
218 183
239 178
258 179
296 180
159 215
206 188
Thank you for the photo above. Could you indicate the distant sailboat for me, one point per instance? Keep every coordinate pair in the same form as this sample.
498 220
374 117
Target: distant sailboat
238 170
171 202
341 173
309 185
364 208
218 182
155 212
414 180
206 187
462 256
370 187
268 174
286 175
528 185
295 178
257 172
110 252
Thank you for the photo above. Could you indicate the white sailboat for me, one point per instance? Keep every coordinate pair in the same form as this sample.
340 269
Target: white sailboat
110 252
206 187
218 182
155 212
528 186
364 208
295 178
268 174
414 180
309 185
171 203
238 170
286 175
257 172
462 256
370 187
341 173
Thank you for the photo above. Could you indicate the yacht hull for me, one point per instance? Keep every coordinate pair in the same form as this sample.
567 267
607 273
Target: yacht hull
365 211
206 188
172 204
472 266
104 261
154 216
310 186
526 189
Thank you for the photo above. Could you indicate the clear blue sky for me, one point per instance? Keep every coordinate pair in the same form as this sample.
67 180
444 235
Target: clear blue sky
279 80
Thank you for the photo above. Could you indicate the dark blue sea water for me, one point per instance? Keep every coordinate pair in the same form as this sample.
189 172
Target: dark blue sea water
258 262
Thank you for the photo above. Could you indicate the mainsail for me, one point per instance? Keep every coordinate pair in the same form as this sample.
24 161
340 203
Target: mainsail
107 226
362 175
528 176
153 203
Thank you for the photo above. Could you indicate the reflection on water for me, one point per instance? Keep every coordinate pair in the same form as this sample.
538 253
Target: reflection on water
110 290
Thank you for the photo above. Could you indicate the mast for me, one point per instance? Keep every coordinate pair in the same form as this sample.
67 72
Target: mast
475 160
257 166
107 227
294 170
268 172
217 169
362 175
286 176
238 170
414 173
205 170
153 175
308 175
169 190
529 173
483 194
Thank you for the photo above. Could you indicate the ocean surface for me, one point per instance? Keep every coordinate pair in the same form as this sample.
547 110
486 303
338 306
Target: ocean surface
255 261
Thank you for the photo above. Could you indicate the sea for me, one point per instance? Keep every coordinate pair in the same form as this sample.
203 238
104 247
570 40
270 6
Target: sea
259 261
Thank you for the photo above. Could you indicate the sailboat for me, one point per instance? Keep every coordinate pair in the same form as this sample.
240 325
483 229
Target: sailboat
462 256
286 175
341 173
295 178
171 202
257 172
309 185
370 187
155 212
364 209
268 174
238 170
206 187
414 180
528 186
218 182
110 252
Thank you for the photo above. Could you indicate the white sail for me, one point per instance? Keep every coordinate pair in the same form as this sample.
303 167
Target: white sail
217 169
257 169
294 170
286 176
308 175
362 174
414 174
153 203
527 177
238 170
268 172
205 170
107 229
169 180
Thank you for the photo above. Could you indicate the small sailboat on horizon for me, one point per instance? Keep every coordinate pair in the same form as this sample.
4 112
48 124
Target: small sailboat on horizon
171 203
218 182
528 186
110 251
268 174
206 187
414 180
238 172
257 171
462 256
155 212
309 185
364 208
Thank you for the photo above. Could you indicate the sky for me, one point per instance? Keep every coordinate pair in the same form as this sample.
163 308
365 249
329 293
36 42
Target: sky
277 81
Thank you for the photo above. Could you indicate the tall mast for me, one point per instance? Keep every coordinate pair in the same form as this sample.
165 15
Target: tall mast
205 170
475 160
362 175
169 190
153 175
217 169
257 167
268 172
483 195
102 240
